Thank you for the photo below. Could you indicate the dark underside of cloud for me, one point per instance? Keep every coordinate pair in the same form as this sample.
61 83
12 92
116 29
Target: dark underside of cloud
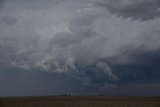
79 47
137 9
134 79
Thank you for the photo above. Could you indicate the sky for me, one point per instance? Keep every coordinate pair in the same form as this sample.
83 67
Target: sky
79 47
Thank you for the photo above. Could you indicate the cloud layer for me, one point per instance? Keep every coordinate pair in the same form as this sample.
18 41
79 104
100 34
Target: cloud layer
97 42
137 9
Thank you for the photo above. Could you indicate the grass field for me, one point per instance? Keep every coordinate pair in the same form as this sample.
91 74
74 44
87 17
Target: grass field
80 101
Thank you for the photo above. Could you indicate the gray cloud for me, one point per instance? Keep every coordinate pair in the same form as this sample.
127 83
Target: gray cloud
1 3
8 20
79 39
137 9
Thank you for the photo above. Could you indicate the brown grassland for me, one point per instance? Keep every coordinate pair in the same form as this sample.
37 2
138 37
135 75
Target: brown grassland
79 101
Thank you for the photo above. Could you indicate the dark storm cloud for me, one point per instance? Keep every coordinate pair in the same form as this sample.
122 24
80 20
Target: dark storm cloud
134 9
134 89
29 4
1 3
8 20
23 83
80 43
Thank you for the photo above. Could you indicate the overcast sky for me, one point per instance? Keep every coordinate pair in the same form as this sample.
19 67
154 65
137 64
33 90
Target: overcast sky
79 47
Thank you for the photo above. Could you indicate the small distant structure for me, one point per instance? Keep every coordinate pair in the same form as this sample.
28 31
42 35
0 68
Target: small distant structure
65 95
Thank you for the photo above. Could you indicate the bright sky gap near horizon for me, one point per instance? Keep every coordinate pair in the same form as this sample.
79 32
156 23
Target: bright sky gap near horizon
79 47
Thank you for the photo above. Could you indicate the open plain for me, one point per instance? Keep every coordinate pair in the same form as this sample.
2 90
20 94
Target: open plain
79 101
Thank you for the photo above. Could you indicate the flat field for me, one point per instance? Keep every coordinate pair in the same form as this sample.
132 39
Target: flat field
79 101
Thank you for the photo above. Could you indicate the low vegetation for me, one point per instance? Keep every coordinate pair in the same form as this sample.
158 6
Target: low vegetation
80 101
